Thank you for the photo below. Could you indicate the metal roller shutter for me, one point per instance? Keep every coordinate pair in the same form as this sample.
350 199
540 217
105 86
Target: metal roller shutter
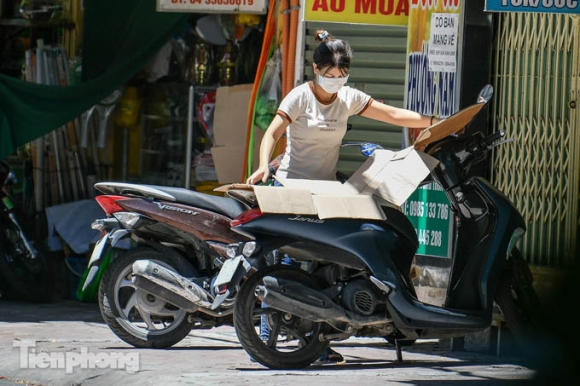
378 68
537 83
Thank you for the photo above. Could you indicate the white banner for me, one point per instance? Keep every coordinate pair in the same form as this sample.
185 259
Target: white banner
443 42
213 6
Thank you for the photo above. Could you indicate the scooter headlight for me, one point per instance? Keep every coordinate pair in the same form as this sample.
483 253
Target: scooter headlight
233 250
249 248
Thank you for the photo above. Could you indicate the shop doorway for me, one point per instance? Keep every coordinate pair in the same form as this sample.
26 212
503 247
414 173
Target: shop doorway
536 81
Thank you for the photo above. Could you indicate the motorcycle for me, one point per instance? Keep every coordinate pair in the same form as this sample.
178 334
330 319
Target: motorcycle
23 268
156 264
354 278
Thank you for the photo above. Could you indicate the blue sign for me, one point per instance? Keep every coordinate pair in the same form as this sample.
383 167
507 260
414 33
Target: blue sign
546 6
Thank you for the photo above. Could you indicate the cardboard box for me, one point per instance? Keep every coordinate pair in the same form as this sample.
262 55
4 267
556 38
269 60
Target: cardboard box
394 176
230 129
231 114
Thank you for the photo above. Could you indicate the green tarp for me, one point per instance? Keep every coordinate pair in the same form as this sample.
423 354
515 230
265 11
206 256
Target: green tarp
120 37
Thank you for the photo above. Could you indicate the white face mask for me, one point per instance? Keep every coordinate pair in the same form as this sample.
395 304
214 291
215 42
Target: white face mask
331 85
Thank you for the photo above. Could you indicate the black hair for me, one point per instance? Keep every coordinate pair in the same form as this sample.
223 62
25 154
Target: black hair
331 52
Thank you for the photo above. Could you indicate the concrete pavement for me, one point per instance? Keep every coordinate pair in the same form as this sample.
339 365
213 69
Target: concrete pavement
67 343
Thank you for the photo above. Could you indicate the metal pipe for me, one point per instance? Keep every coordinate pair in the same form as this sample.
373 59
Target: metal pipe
188 142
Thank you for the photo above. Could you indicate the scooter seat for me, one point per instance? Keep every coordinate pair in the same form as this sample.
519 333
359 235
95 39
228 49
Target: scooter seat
222 205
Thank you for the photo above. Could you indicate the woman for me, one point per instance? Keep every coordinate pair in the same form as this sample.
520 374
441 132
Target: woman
314 116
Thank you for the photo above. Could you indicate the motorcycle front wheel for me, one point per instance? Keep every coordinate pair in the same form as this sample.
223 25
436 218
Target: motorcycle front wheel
519 303
139 318
292 342
24 277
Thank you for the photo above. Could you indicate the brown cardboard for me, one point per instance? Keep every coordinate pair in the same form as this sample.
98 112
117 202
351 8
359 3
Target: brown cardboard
448 126
351 206
276 199
230 116
230 129
394 176
228 161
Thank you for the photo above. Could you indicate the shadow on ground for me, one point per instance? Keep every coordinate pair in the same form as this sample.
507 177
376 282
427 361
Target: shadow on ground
56 310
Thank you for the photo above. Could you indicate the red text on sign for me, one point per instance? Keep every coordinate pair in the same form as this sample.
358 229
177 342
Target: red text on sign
384 7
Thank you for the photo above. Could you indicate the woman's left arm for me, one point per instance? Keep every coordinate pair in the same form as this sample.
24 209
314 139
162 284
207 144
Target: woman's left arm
398 116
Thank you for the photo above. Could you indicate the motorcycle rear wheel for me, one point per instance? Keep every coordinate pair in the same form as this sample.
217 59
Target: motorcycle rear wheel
300 348
23 277
139 318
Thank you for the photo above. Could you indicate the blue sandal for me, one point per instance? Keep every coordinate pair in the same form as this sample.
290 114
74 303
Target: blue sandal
330 356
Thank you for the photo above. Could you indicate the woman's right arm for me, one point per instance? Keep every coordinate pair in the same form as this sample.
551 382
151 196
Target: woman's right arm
272 135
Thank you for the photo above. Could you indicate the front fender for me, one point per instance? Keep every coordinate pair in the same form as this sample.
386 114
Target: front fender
100 258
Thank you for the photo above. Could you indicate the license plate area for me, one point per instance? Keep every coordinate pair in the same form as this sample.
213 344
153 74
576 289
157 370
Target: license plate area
227 271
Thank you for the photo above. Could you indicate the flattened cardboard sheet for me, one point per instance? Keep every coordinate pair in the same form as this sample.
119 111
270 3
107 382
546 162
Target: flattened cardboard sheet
448 126
359 206
394 176
319 186
276 199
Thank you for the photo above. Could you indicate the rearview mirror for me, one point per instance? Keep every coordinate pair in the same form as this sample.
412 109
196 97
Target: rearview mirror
485 94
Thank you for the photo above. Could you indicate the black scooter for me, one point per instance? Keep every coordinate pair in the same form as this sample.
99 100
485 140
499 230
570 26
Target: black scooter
355 274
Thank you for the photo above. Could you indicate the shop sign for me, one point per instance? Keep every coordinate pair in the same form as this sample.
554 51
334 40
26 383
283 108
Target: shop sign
213 6
428 210
443 42
433 44
380 12
547 6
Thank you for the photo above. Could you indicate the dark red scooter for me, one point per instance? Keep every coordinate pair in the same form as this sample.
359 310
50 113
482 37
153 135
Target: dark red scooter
159 255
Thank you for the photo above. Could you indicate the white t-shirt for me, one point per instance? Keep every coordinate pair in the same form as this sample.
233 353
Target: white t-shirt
316 130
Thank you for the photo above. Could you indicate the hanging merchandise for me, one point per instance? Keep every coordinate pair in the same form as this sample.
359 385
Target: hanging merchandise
128 109
269 92
227 66
203 60
243 23
205 113
41 10
127 118
209 29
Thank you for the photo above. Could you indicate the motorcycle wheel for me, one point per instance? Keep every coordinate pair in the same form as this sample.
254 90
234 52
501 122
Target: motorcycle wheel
137 317
24 278
293 342
519 303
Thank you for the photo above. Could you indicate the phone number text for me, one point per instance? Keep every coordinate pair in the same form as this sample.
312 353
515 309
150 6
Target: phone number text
426 209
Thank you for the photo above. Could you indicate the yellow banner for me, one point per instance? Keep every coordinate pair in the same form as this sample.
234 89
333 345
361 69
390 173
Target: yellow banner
381 12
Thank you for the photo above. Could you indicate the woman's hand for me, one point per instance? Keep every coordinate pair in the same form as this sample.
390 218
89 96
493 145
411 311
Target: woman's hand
261 174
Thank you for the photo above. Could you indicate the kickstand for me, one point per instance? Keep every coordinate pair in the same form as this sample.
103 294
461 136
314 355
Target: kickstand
399 353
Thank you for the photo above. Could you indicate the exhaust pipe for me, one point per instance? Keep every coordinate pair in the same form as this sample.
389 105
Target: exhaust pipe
169 286
310 304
